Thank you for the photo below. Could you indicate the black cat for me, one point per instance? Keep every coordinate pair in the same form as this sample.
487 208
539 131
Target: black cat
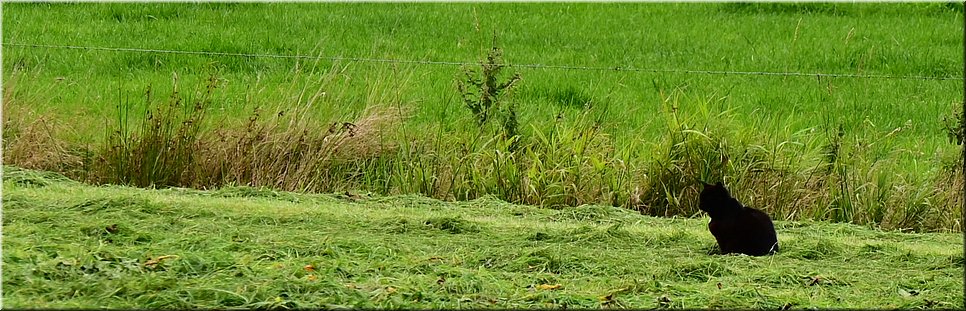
738 229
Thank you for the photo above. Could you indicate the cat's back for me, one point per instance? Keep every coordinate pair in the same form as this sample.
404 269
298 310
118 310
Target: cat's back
766 239
760 218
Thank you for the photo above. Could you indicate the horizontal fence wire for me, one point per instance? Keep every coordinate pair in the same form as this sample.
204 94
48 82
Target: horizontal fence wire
452 63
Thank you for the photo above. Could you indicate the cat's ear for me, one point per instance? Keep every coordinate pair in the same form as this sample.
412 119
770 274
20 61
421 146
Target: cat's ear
706 185
719 184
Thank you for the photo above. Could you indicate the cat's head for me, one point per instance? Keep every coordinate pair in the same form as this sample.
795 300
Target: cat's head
712 190
715 199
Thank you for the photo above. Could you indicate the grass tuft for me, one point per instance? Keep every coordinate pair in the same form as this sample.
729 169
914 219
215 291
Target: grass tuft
453 225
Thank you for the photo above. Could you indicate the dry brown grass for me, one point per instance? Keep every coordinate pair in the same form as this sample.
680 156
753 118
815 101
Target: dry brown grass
291 151
32 140
948 198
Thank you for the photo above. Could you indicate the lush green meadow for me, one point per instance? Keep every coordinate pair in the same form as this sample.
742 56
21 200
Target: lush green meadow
875 39
71 245
863 150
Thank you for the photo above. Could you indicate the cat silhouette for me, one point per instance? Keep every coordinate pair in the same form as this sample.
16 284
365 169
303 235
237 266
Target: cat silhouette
737 228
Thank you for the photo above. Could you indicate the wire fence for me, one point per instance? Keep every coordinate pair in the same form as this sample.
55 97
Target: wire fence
454 63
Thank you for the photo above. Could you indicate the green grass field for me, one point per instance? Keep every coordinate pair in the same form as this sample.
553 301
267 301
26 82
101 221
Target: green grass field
862 175
883 39
70 245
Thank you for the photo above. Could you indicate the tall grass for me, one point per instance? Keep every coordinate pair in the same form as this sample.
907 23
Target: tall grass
174 144
161 151
820 173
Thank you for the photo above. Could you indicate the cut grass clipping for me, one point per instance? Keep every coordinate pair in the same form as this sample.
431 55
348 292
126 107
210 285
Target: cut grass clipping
70 245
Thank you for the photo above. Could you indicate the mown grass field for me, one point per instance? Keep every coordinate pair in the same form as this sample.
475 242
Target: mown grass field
71 245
